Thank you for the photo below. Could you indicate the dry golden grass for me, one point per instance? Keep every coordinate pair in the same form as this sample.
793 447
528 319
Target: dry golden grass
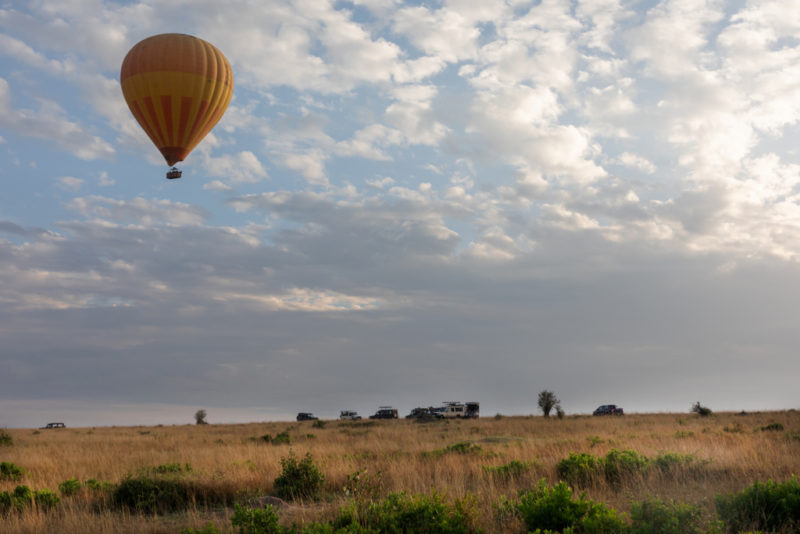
730 451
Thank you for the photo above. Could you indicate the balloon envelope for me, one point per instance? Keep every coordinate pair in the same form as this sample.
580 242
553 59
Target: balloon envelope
177 87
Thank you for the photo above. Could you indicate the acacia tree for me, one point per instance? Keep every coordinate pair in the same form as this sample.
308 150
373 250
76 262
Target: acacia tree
200 417
547 401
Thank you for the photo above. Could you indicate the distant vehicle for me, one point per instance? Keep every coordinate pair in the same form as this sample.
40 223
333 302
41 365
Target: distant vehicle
609 409
349 415
385 412
466 410
425 413
54 425
306 416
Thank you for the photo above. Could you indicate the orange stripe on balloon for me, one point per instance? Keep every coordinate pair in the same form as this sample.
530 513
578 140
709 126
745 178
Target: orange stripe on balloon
186 108
142 120
151 109
166 108
198 121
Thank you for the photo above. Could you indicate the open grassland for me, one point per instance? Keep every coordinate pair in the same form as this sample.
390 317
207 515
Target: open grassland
459 459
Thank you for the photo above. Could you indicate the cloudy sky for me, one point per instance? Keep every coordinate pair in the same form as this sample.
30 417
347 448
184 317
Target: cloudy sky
405 203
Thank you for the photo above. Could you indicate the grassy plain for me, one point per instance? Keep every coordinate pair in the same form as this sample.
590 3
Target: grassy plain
729 452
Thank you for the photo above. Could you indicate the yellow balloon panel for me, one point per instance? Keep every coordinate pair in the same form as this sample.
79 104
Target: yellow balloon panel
177 87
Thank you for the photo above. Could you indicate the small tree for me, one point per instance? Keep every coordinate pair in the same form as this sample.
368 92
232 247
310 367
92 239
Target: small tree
699 409
547 401
200 417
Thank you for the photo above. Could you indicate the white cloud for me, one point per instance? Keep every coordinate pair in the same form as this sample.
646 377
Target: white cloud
69 183
49 122
243 167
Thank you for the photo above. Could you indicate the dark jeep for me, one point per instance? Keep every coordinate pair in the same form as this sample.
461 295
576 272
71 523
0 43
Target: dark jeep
609 409
306 416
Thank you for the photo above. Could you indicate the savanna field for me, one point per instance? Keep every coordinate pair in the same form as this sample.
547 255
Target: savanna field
639 473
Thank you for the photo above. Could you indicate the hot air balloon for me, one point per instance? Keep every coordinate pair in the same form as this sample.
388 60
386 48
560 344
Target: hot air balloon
177 86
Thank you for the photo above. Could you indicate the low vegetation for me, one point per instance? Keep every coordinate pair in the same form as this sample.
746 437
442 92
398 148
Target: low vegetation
632 475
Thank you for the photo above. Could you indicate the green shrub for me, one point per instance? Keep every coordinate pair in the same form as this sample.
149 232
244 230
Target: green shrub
656 517
171 468
5 438
22 497
282 439
619 465
97 485
319 423
579 468
401 512
670 461
772 427
362 485
71 486
768 506
701 410
256 521
299 479
463 447
10 471
46 499
149 495
208 528
553 509
512 469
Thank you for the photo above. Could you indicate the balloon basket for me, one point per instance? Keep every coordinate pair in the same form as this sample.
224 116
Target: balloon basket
173 173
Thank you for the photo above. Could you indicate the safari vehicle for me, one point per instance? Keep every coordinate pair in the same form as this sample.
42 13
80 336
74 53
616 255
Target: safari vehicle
54 425
424 413
349 415
609 409
306 416
385 412
466 410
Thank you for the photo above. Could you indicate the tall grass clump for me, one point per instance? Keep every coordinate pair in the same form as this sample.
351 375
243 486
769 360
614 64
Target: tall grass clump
767 506
5 438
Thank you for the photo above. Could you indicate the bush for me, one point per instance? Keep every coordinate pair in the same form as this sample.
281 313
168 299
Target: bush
656 517
299 479
767 506
670 461
10 471
5 438
46 499
619 465
701 410
208 528
282 439
71 486
554 510
256 521
96 485
22 497
400 512
579 468
148 495
319 423
171 468
772 427
512 469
